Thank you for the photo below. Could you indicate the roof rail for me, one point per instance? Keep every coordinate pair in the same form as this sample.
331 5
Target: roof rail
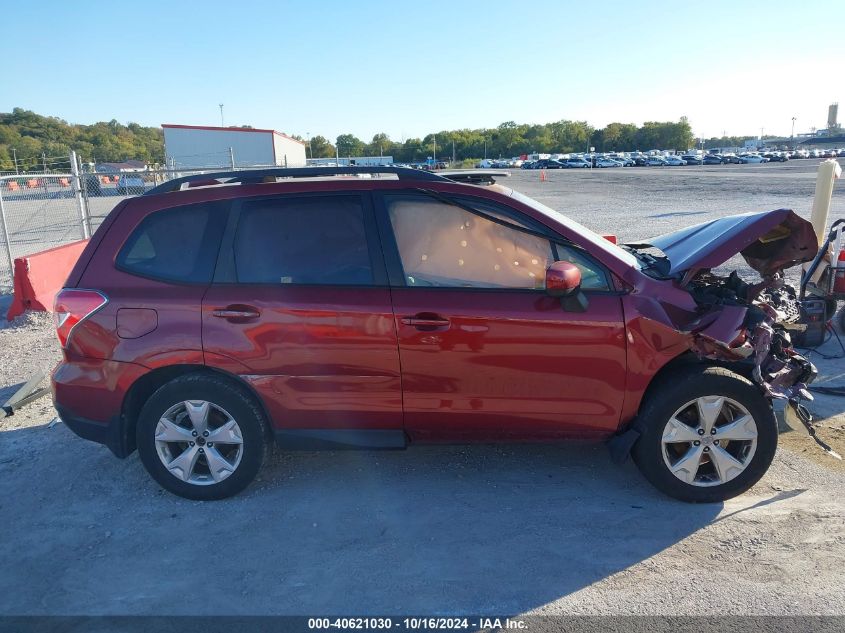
473 176
256 176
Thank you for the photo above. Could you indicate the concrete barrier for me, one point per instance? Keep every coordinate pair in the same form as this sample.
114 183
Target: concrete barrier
38 277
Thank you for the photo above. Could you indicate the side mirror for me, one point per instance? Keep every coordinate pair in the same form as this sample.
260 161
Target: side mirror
563 281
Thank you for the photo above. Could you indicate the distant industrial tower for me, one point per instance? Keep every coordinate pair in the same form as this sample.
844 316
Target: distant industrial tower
832 115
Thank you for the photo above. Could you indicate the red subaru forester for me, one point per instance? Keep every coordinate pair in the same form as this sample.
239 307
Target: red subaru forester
380 307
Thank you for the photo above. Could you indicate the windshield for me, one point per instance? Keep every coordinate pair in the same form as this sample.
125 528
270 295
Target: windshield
593 238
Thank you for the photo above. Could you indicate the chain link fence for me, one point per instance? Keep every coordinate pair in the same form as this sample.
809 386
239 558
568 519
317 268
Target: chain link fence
43 210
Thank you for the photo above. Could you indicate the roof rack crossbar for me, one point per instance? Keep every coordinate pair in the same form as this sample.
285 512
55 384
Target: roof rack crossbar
255 176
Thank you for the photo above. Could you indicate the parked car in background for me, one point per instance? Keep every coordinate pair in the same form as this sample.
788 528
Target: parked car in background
776 157
603 161
576 163
731 158
714 159
201 325
656 161
626 161
674 161
693 159
131 185
752 158
548 163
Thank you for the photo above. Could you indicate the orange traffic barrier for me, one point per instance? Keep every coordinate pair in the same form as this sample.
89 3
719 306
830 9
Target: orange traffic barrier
13 185
105 180
64 182
38 277
32 183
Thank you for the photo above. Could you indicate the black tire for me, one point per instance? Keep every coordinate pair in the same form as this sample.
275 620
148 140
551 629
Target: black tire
223 393
685 386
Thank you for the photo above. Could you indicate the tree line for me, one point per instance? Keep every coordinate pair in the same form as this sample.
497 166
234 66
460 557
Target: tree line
35 141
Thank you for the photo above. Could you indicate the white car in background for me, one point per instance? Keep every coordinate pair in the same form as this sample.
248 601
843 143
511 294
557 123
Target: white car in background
752 158
674 161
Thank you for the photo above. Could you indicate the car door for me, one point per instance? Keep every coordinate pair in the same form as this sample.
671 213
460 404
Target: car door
300 309
485 353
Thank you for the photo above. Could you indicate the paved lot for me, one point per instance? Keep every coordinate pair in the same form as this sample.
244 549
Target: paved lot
548 529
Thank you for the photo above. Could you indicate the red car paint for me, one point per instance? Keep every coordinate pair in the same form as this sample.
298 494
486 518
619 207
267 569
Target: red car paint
439 364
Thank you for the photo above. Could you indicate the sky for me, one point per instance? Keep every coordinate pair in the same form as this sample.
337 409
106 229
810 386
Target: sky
409 68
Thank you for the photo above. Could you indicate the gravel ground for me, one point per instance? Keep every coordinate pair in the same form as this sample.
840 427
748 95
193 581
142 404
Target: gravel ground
432 530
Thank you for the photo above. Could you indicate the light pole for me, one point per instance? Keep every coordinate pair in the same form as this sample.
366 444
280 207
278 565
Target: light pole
221 116
792 136
310 146
15 158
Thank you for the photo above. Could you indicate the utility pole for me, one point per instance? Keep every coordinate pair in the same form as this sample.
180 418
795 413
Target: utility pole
44 161
434 155
232 158
221 116
310 146
15 158
485 148
792 136
453 151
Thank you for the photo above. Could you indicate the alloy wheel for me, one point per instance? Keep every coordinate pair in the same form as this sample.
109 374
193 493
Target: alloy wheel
709 441
199 442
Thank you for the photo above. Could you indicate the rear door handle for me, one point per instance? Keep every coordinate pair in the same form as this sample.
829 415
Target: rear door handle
425 321
238 313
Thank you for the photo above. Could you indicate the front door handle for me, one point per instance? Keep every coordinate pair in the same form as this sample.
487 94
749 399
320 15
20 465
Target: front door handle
424 321
236 313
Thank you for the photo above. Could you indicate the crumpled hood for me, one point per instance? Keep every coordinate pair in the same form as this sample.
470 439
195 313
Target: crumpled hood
769 241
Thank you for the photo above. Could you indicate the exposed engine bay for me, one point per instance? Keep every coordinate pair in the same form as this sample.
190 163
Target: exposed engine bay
762 317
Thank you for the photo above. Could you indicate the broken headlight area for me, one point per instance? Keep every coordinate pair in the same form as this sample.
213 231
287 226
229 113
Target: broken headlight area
739 320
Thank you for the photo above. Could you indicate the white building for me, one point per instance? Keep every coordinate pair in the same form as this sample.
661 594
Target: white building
187 146
360 161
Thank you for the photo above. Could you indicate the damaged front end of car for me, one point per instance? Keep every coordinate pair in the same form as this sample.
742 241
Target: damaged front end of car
731 320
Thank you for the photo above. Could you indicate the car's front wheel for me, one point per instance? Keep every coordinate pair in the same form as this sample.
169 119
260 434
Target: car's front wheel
202 437
708 434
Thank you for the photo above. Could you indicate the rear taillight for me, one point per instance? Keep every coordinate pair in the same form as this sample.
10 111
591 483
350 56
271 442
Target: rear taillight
72 306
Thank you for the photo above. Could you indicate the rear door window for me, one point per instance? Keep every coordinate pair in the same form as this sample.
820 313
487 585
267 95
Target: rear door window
179 244
314 240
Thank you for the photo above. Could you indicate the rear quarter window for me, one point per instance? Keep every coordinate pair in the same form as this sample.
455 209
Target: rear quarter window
179 244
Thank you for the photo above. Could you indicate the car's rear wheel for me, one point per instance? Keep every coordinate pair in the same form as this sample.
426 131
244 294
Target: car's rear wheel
202 437
708 434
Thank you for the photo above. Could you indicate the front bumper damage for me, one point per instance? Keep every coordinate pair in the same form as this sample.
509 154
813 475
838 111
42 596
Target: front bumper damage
725 319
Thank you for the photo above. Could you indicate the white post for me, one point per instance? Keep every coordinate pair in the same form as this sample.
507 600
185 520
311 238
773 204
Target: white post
232 158
6 235
84 219
829 170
